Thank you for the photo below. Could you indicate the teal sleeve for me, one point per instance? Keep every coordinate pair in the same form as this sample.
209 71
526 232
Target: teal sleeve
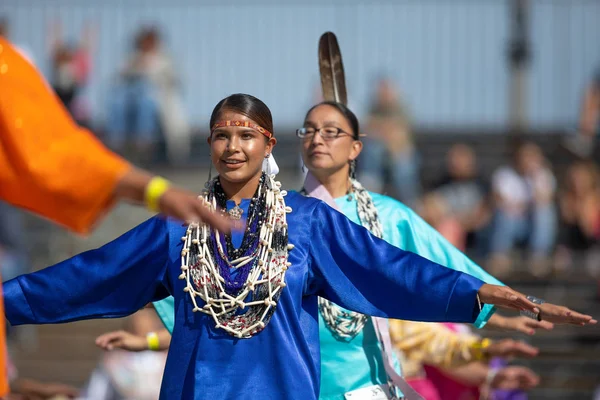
166 311
416 235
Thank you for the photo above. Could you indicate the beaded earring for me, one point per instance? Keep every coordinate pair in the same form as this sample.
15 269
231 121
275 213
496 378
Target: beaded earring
268 169
353 169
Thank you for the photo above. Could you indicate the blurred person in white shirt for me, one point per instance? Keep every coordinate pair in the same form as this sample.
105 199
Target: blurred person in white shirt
524 211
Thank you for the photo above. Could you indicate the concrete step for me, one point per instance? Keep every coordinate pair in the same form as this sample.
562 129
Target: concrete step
72 372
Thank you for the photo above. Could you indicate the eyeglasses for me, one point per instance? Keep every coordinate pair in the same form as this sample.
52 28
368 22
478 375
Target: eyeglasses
327 132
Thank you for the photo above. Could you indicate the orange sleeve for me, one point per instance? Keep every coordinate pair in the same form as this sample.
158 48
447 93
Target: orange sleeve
48 164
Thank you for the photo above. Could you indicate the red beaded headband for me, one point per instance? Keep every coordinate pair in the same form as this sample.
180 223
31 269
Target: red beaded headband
248 124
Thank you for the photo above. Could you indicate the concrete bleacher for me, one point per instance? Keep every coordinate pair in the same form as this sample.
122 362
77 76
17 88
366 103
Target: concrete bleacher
569 363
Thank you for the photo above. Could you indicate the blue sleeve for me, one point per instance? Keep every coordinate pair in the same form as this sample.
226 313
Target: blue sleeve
361 272
113 281
419 237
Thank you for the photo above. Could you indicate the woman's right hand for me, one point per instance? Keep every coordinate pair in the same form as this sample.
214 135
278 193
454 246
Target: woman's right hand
188 207
175 202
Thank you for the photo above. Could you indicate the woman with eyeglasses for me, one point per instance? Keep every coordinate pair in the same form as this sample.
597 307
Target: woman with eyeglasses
351 354
246 323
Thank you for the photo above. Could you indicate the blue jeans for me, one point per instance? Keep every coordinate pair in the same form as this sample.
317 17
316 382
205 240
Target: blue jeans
132 110
537 229
379 168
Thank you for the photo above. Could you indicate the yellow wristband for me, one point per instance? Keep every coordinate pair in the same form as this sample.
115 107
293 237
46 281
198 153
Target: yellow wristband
479 347
153 342
154 190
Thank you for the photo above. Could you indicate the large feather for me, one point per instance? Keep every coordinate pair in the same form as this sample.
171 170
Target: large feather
331 68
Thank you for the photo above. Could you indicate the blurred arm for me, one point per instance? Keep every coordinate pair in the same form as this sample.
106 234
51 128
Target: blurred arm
428 343
48 164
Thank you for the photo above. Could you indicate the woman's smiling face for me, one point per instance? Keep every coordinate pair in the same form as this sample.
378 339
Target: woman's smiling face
238 152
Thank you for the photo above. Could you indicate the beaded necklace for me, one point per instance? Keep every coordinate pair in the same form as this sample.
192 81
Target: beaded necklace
343 324
244 304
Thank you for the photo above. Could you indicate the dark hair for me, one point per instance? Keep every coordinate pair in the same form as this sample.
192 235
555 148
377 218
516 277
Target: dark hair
246 105
151 33
345 111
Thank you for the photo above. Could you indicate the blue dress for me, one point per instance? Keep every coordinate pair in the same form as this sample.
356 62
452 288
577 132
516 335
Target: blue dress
333 258
361 356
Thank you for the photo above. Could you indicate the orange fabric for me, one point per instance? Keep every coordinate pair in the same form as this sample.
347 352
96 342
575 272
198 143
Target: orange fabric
48 164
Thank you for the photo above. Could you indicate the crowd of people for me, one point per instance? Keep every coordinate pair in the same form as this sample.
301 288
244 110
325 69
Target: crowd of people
525 206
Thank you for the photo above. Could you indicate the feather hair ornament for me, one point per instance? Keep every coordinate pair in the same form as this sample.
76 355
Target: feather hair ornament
331 68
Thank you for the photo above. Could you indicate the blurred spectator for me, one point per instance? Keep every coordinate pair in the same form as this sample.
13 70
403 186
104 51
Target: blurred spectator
71 67
580 217
436 212
147 102
589 121
389 161
124 375
524 211
465 195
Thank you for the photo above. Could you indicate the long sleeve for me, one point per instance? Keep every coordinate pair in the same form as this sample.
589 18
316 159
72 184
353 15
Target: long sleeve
358 271
113 281
419 237
426 343
48 164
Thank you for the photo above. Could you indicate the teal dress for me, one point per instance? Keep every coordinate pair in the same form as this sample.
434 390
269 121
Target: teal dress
347 366
402 228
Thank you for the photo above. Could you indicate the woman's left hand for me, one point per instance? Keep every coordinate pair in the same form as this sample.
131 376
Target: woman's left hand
505 297
563 315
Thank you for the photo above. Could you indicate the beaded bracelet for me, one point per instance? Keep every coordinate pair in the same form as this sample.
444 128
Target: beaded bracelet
153 342
154 190
531 314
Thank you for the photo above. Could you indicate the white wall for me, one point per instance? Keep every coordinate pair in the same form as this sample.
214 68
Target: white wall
448 56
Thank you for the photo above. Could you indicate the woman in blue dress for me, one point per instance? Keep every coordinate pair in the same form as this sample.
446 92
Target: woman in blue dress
246 313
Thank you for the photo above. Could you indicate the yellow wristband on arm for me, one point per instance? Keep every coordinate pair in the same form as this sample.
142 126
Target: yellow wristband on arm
479 348
153 342
154 190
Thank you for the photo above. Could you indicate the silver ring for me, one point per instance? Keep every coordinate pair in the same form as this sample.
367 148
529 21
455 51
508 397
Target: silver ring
531 314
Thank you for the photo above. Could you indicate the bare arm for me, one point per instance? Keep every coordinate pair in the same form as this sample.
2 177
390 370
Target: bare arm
436 345
128 341
30 388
